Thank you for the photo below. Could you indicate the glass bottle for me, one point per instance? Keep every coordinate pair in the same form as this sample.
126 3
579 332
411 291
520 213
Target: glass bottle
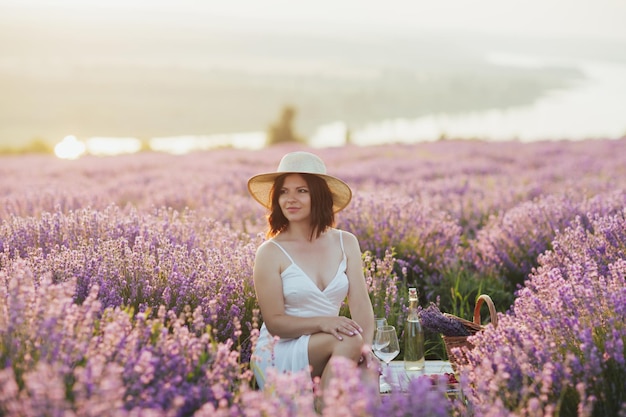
413 336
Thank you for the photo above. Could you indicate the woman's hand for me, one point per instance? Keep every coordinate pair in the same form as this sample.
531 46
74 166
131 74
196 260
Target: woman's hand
340 326
369 360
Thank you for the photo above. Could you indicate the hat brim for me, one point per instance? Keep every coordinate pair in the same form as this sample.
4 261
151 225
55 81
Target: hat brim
260 187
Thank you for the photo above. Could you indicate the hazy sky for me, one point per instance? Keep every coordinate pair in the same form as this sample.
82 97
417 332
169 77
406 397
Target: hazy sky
555 18
61 48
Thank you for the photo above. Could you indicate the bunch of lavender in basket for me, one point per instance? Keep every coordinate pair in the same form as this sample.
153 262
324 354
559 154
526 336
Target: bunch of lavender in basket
434 320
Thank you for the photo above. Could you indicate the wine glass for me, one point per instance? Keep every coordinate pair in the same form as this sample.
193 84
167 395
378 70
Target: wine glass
386 345
381 322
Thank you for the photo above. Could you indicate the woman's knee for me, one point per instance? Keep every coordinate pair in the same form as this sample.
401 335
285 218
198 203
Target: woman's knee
350 347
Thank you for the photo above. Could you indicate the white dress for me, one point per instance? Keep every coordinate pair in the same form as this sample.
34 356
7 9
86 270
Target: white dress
303 298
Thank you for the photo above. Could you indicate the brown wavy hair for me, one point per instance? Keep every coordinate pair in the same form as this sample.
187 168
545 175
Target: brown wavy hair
322 214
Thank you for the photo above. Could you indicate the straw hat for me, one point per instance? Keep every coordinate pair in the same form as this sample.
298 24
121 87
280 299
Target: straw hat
300 162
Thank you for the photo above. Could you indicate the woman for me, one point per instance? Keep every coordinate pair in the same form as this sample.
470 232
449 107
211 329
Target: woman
305 271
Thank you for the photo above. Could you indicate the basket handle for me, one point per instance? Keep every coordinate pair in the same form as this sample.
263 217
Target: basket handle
492 310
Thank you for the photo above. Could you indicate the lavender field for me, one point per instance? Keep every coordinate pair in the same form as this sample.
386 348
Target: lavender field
126 282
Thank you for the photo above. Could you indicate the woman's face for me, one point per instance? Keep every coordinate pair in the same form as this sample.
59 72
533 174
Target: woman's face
295 199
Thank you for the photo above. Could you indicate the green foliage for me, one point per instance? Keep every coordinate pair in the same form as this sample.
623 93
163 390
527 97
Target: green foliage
37 145
460 287
456 294
282 131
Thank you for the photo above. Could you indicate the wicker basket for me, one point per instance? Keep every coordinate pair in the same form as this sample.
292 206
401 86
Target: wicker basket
473 327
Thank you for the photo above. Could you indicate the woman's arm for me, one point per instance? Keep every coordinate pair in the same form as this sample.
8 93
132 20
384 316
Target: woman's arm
358 297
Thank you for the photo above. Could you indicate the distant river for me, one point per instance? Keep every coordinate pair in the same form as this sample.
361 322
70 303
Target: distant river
595 108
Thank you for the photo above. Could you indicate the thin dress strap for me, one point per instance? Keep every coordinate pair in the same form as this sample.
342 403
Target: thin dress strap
283 249
341 241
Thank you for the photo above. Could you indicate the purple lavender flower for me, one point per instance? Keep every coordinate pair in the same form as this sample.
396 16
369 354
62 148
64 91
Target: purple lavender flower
119 280
434 320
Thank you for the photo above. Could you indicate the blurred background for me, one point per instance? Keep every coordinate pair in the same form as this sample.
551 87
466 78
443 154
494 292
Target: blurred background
119 76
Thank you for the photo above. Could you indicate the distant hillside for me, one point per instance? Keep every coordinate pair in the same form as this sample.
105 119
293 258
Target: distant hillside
145 82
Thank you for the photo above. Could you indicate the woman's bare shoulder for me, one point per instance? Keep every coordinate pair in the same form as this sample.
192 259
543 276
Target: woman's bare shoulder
270 252
346 236
350 241
268 261
266 248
